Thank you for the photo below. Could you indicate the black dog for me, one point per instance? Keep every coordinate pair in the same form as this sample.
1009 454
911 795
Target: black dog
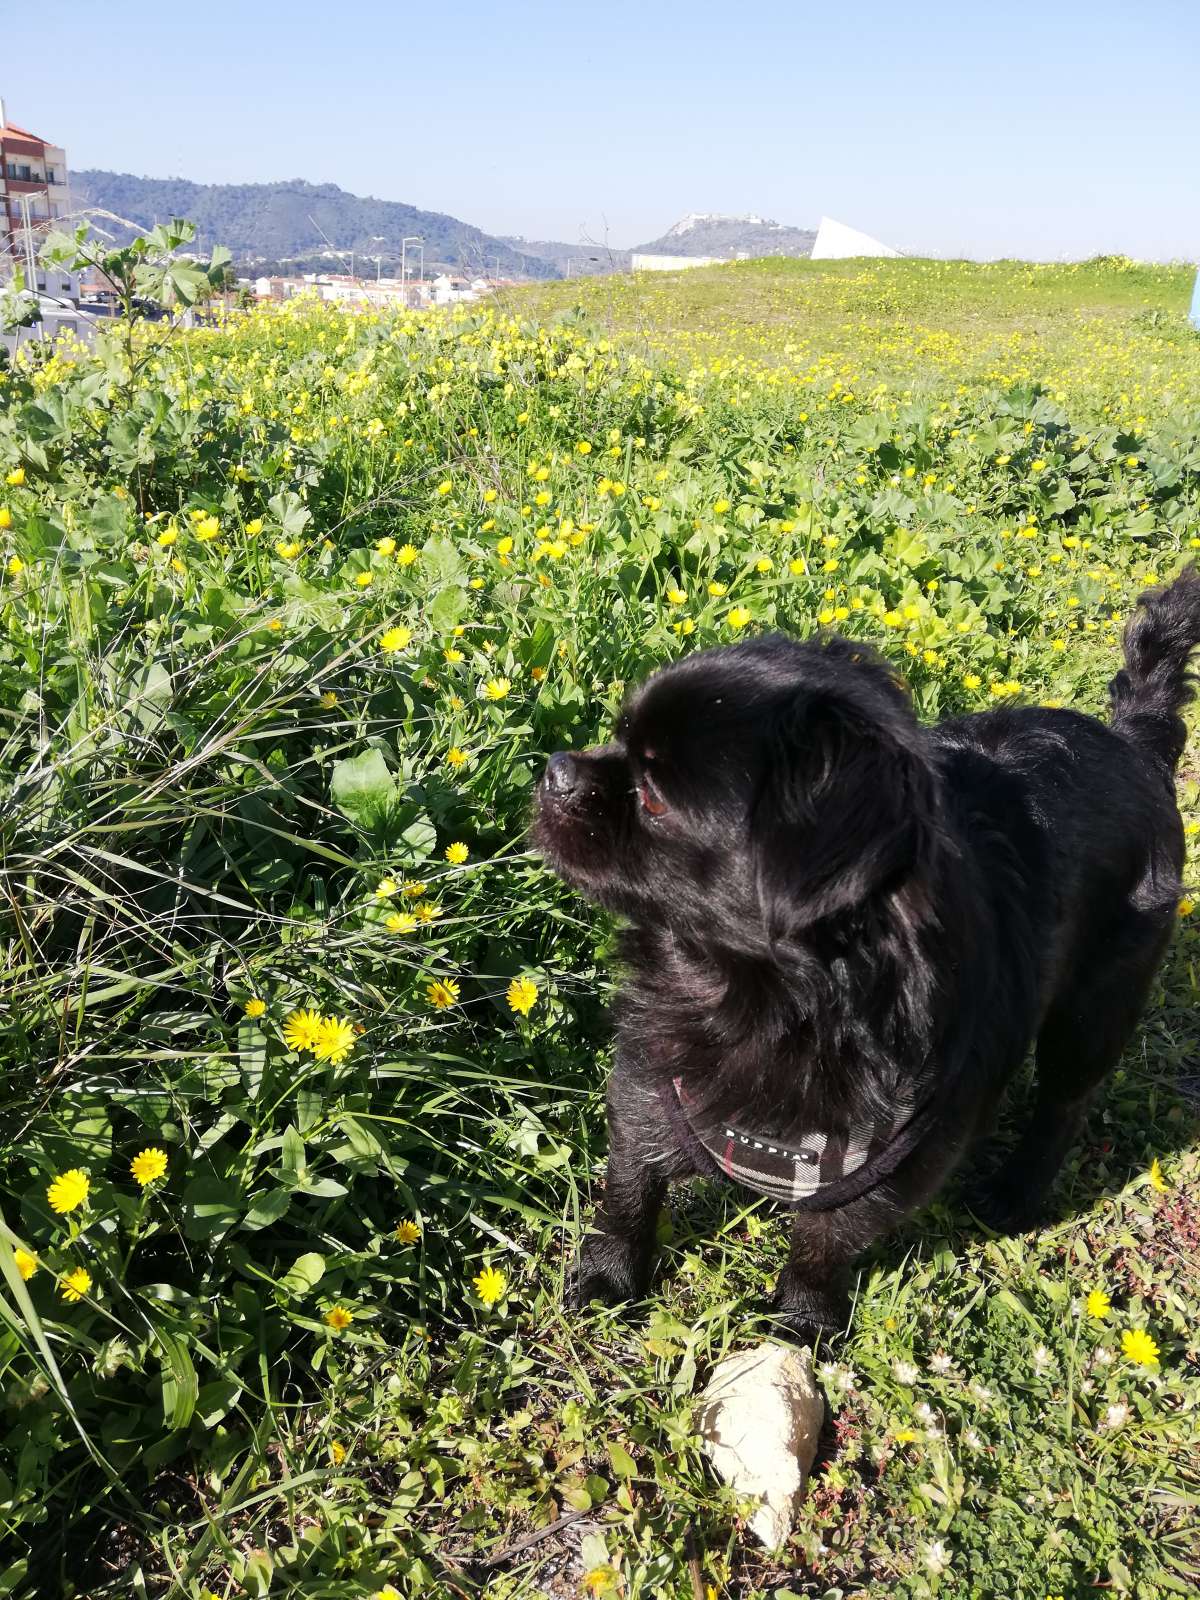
847 929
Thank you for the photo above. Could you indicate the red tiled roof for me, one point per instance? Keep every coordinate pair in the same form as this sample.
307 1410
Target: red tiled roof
21 133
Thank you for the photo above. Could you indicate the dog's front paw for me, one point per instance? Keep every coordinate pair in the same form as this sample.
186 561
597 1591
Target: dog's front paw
805 1313
1007 1204
607 1269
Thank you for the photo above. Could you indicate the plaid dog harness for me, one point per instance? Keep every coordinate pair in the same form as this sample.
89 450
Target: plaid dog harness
816 1172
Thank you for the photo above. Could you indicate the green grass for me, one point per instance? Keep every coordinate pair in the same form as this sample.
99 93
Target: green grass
218 782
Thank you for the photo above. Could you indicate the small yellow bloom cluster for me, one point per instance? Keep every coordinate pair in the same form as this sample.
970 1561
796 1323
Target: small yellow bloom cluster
328 1038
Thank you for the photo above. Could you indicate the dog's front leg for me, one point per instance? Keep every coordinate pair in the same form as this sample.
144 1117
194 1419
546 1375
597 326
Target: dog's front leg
615 1257
812 1296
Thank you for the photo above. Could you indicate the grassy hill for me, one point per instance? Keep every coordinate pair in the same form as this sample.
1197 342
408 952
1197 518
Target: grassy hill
305 1051
301 224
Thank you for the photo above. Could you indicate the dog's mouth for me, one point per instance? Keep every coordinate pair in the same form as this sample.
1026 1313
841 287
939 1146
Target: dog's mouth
572 825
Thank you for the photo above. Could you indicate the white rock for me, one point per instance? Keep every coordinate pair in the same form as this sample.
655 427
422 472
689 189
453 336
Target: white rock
760 1418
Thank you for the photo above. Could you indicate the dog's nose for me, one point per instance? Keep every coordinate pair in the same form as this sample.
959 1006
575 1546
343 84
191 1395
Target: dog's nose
562 774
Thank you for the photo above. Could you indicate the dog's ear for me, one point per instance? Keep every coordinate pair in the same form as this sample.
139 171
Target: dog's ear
848 807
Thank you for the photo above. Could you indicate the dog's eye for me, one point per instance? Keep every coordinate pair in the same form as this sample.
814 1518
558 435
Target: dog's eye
652 801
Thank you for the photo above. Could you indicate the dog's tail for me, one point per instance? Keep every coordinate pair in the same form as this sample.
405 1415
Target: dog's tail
1154 685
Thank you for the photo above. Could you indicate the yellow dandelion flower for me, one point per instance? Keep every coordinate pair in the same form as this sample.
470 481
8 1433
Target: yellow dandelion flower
1098 1304
1157 1181
337 1452
718 589
254 526
496 688
427 911
16 477
456 757
302 1029
338 1318
407 1232
168 537
1139 1347
401 922
15 566
75 1284
720 507
394 639
148 1165
254 1007
364 580
407 554
287 549
490 1285
329 700
68 1190
457 853
445 487
677 597
442 993
453 655
385 888
522 996
386 547
335 1039
207 528
27 1262
738 617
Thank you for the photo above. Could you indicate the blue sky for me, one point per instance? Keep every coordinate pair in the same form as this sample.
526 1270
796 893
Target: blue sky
982 129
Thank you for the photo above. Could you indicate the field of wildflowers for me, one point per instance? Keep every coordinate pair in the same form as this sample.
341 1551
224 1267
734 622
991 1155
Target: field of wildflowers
304 1051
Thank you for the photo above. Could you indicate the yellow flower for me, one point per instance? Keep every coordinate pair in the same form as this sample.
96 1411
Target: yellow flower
496 688
15 566
442 992
401 922
254 1007
75 1284
972 680
301 1029
69 1189
414 890
337 1452
427 911
148 1165
27 1263
738 617
207 528
407 1232
457 852
386 547
1139 1347
335 1039
16 477
522 995
363 579
444 487
453 655
677 597
288 549
718 589
5 517
490 1285
329 700
254 526
764 564
489 495
720 507
1098 1304
583 448
1157 1181
339 1317
407 554
168 537
1186 906
385 888
456 757
394 639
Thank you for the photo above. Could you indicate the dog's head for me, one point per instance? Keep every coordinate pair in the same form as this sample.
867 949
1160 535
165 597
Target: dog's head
750 792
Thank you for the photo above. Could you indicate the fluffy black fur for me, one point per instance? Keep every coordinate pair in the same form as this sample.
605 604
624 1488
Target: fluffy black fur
828 901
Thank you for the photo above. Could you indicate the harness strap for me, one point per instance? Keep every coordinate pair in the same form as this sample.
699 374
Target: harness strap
815 1173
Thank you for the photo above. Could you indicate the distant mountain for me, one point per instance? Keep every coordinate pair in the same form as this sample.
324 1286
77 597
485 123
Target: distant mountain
584 260
707 233
301 226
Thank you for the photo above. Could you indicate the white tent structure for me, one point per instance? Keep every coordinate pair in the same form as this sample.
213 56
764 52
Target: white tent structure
835 240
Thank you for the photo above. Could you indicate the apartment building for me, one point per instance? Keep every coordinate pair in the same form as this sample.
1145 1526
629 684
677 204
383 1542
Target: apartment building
33 182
